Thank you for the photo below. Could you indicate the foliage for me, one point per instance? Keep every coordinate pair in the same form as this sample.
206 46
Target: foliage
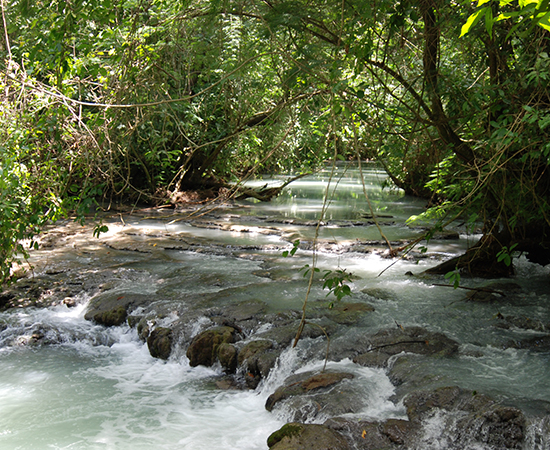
333 280
139 100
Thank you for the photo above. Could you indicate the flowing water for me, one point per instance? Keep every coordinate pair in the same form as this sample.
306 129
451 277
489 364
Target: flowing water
94 387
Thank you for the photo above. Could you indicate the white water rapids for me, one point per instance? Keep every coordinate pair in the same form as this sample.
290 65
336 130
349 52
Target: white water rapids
98 388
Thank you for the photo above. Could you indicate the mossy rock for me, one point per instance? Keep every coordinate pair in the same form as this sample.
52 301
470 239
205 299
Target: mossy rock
159 343
300 436
227 355
203 350
111 318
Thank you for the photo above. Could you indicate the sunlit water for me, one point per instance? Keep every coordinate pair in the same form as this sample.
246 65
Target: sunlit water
100 389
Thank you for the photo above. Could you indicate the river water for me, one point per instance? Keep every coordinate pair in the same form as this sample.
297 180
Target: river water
85 386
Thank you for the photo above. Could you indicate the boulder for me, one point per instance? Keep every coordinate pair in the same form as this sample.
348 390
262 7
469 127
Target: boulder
203 349
300 436
112 317
523 323
345 313
257 358
538 343
227 355
363 435
387 343
159 343
305 383
102 307
475 418
308 396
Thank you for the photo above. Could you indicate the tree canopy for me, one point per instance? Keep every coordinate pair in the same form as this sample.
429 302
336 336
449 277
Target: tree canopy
141 99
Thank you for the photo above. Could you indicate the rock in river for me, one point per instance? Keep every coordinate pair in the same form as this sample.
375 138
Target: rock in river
203 349
300 436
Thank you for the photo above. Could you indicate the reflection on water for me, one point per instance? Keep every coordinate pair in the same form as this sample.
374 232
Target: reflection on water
98 388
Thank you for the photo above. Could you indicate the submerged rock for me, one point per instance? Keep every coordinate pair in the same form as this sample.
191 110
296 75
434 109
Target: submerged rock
345 313
538 343
523 323
387 343
300 436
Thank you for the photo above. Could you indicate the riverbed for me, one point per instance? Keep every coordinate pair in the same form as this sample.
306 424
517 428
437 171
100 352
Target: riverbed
71 383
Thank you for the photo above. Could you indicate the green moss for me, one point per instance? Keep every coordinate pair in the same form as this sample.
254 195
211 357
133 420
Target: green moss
289 430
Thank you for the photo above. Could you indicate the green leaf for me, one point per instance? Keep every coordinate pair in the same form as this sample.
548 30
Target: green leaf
472 21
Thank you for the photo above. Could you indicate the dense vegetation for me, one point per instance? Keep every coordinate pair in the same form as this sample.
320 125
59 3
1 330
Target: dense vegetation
144 99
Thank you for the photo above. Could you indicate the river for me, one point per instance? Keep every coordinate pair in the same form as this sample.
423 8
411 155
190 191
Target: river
69 383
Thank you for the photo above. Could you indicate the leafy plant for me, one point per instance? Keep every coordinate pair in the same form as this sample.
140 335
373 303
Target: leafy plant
505 254
293 250
333 280
454 278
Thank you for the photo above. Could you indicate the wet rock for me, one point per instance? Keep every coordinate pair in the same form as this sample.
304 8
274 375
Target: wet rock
387 343
5 299
300 436
475 418
143 329
363 435
159 343
109 302
379 293
284 335
257 358
203 349
398 431
420 402
524 323
310 395
111 318
245 310
410 372
538 343
69 302
345 313
227 355
494 292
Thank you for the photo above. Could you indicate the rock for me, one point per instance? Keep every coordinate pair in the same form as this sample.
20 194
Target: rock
111 318
69 302
303 383
538 343
398 431
475 418
109 302
363 435
524 323
284 335
387 343
419 403
379 293
143 329
494 292
159 343
346 313
227 355
203 349
257 358
311 395
299 436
